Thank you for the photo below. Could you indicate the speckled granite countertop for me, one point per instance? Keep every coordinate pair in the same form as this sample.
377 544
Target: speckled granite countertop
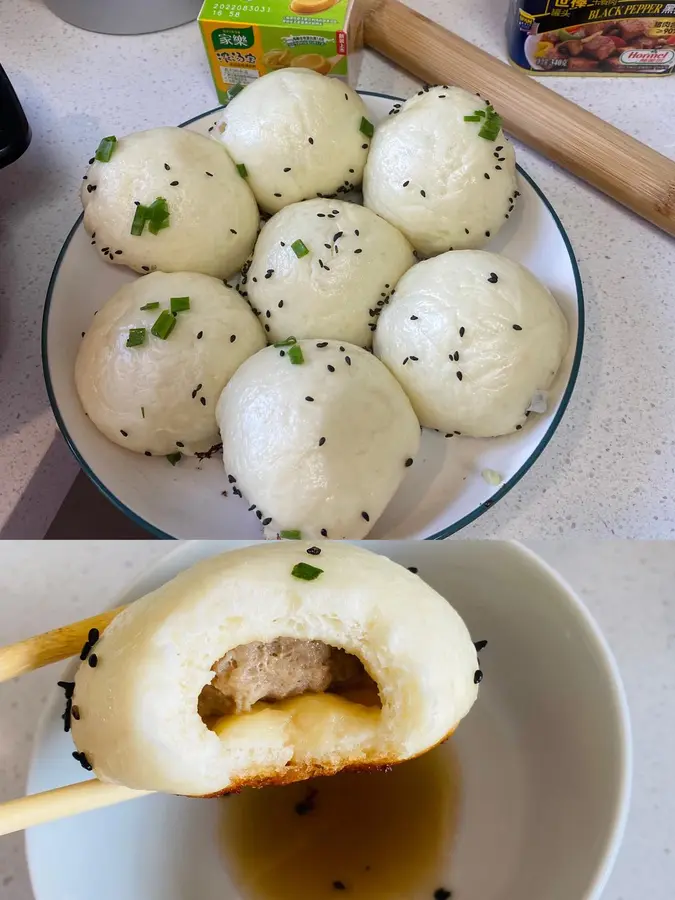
628 587
610 468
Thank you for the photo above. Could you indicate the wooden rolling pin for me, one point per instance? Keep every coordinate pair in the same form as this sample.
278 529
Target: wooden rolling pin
611 161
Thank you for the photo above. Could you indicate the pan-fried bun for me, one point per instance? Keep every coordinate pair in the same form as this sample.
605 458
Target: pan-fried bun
396 660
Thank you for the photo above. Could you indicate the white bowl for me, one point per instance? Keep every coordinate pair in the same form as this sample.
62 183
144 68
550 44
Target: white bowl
544 758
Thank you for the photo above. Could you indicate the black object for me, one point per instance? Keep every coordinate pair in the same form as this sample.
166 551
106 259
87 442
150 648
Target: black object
15 131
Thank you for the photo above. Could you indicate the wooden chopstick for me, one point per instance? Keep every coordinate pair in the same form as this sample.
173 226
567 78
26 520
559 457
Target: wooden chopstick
52 646
60 803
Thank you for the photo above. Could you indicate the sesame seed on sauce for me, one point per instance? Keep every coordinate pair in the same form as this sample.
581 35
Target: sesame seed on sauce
364 515
517 327
493 279
408 462
459 376
322 441
477 676
267 521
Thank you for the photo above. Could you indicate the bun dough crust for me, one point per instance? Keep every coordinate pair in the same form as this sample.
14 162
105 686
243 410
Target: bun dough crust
297 133
334 291
144 398
138 723
486 333
319 447
426 173
213 217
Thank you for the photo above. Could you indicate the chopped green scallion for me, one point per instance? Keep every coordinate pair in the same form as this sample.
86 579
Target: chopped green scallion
179 304
105 149
472 118
287 343
241 168
164 325
157 215
295 355
306 572
154 305
366 127
174 458
139 220
291 535
136 337
299 248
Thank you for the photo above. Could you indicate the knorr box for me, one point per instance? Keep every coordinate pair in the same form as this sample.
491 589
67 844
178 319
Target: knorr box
246 40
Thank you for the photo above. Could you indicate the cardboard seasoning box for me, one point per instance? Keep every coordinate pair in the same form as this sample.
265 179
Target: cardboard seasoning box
246 40
592 37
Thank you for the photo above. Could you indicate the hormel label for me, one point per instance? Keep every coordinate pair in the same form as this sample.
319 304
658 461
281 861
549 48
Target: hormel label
341 41
647 57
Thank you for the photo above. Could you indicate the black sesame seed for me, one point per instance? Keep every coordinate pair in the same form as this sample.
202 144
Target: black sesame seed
85 650
267 327
268 314
423 193
487 234
339 886
173 183
499 168
269 273
287 169
348 360
311 140
84 178
309 399
342 349
459 376
413 569
331 368
202 400
405 361
408 462
456 356
324 533
499 148
280 304
358 251
251 508
351 171
466 231
364 515
462 331
267 520
200 335
364 146
442 894
314 551
92 160
277 195
105 249
493 279
480 645
91 188
210 174
322 441
486 175
93 660
236 492
147 453
124 433
145 268
258 513
322 344
233 338
232 231
167 167
477 676
517 327
414 318
415 358
356 232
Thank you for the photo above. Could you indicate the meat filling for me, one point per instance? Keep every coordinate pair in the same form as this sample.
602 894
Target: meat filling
285 667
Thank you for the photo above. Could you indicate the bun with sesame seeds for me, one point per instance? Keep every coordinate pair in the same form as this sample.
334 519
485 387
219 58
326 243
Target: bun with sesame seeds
321 658
472 337
209 219
298 135
318 435
432 175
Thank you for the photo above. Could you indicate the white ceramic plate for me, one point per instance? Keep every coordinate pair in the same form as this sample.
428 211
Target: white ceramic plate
544 757
442 492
